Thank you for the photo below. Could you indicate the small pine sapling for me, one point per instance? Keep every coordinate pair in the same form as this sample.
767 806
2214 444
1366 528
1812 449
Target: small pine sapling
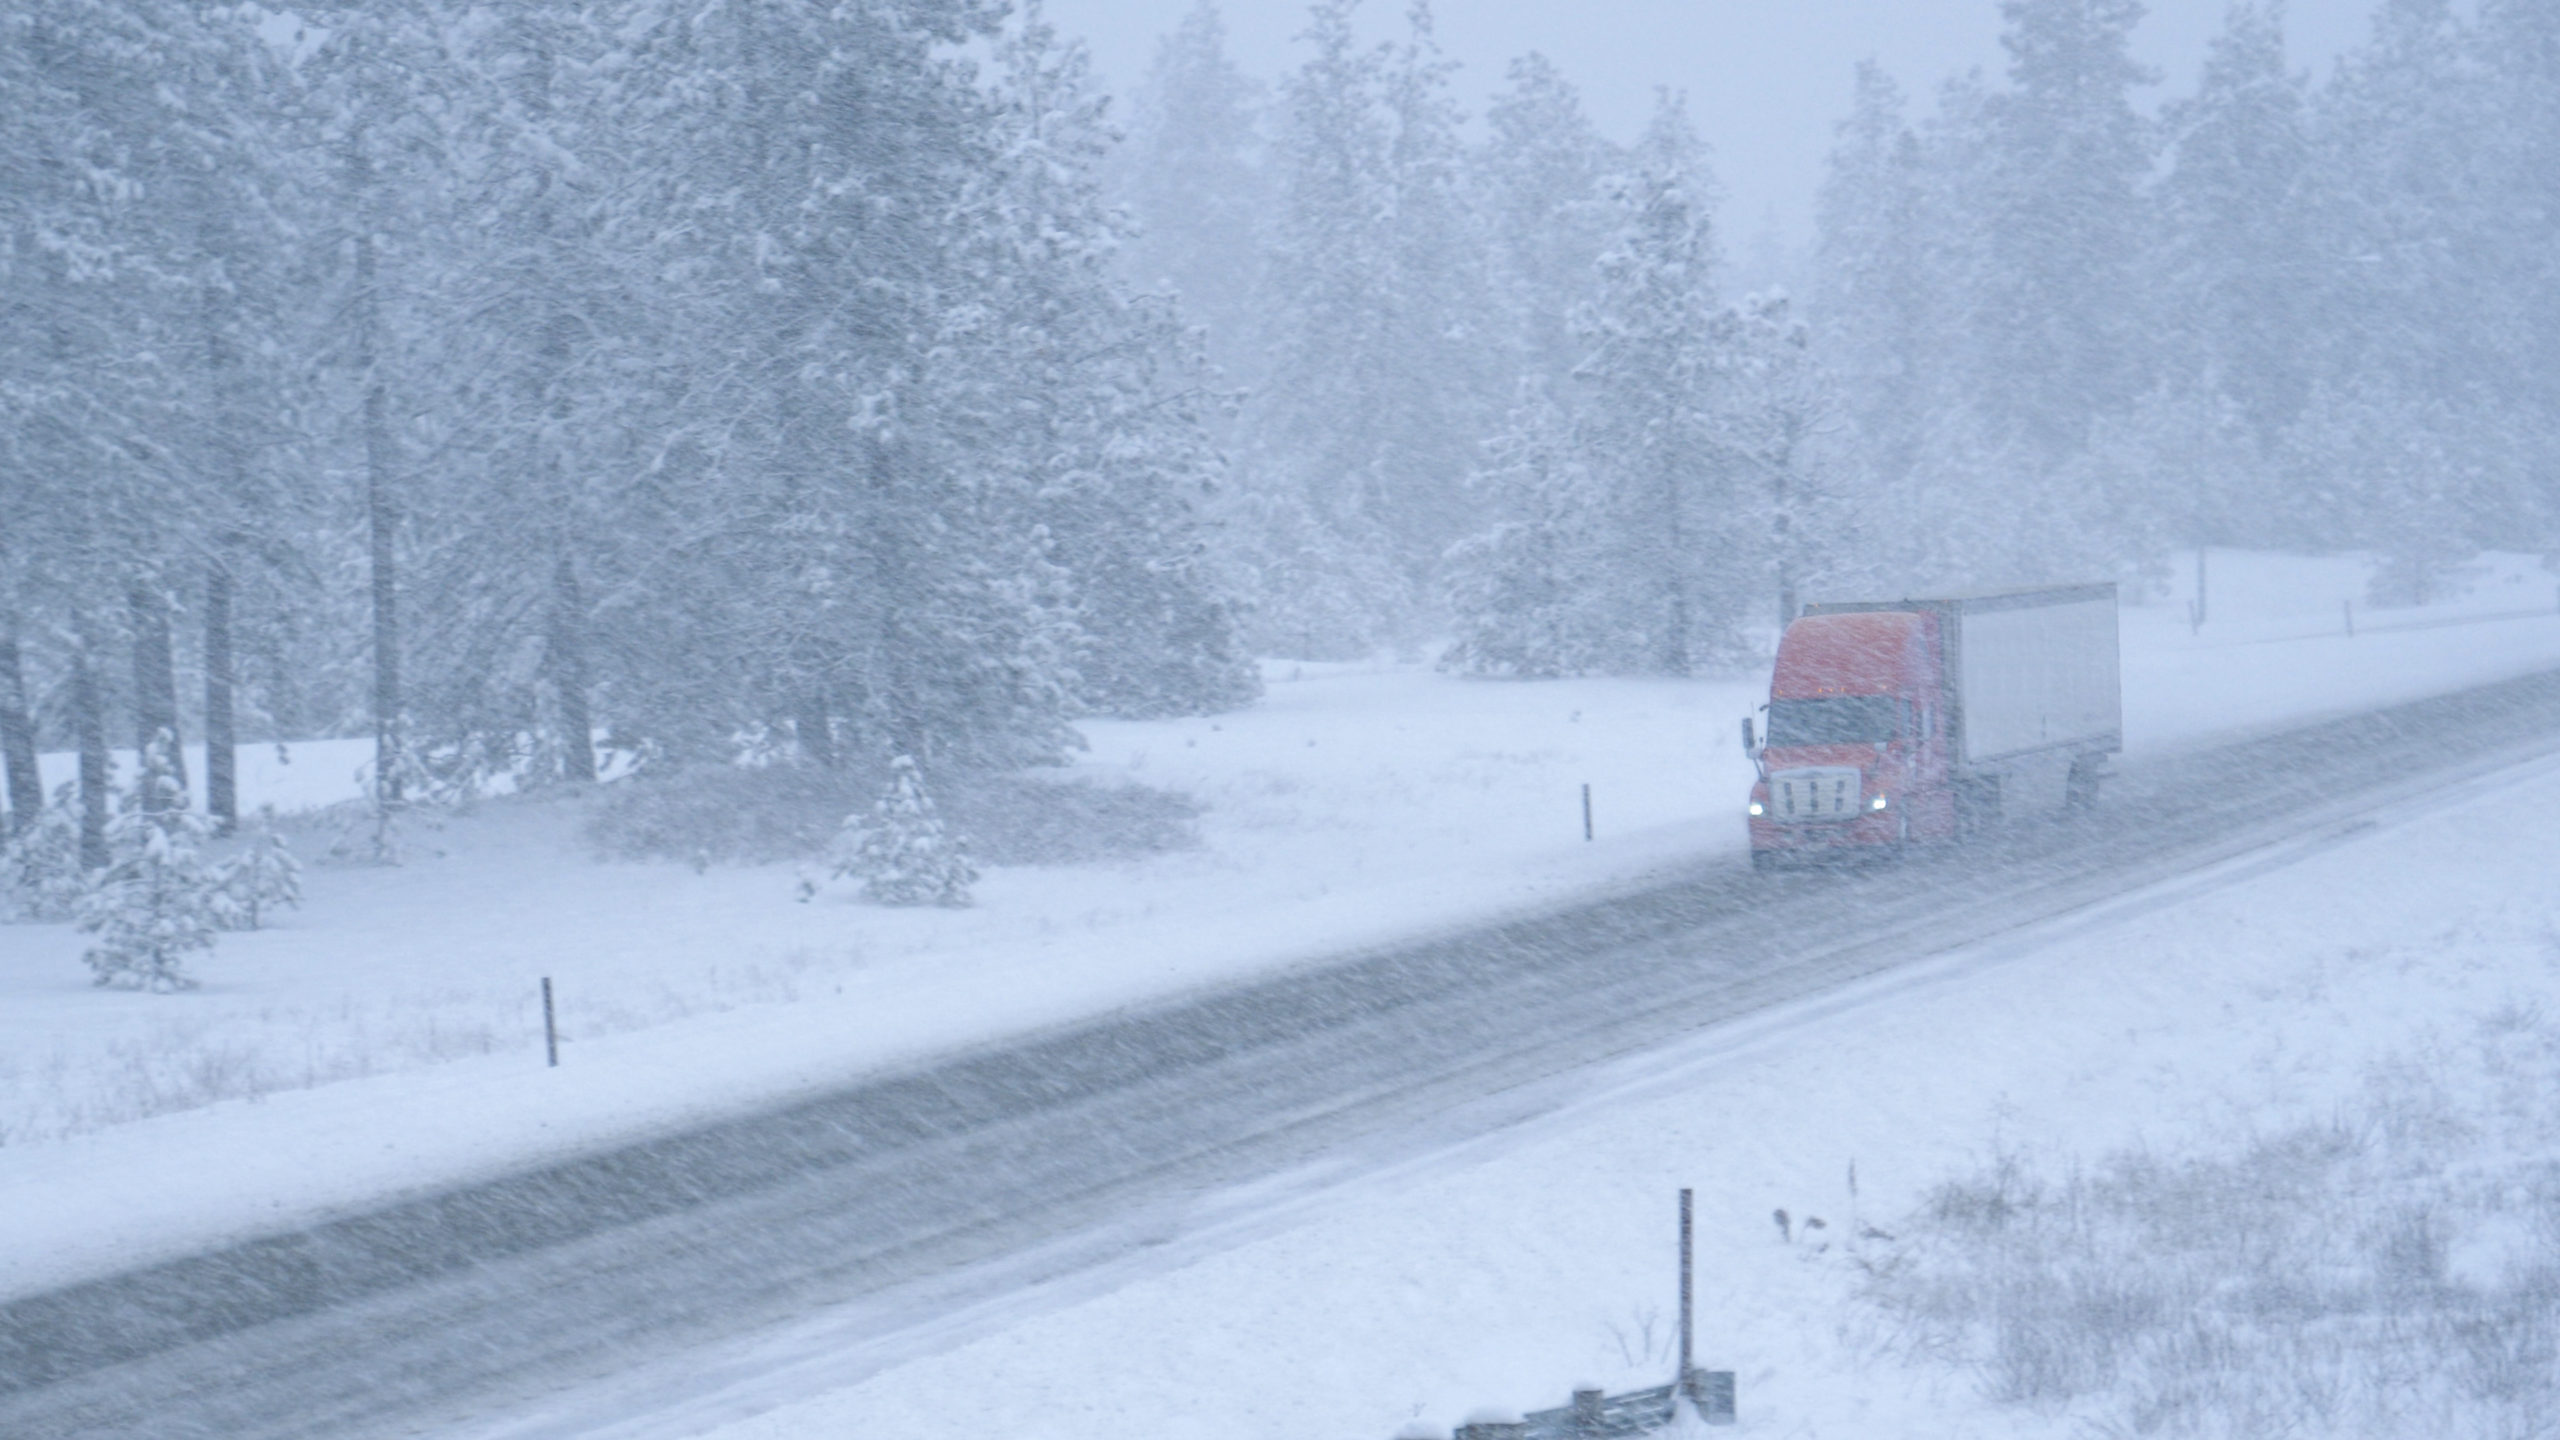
377 834
155 902
254 883
901 852
40 867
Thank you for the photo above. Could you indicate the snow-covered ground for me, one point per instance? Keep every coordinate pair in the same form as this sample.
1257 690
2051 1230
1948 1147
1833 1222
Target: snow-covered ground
388 1036
2189 1020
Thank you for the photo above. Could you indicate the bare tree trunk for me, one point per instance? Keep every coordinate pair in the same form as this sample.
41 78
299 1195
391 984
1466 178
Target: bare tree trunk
1675 640
1782 518
1781 524
569 674
155 683
217 312
18 740
894 693
89 726
816 734
381 529
221 735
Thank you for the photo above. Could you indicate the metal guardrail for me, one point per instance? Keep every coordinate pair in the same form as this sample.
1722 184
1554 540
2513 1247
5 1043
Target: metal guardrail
1595 1415
1603 1417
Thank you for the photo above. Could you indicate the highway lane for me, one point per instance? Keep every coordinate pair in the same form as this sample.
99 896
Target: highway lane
470 1303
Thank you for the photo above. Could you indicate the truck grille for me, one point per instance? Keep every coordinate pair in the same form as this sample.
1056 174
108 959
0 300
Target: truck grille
1826 793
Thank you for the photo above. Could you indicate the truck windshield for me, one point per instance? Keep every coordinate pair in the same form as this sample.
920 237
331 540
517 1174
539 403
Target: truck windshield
1835 720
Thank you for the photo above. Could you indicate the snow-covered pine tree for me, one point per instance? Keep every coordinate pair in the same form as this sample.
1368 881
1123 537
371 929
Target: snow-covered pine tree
1306 526
154 906
901 852
1985 499
852 569
1872 283
1447 362
2519 44
2235 259
1382 383
1683 533
571 348
260 878
382 88
205 218
2232 269
1539 175
1777 410
91 395
1526 596
1191 173
40 872
2402 424
2062 342
1096 399
2385 455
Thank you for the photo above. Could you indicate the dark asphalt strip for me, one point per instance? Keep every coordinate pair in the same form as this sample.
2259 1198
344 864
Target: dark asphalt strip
529 1282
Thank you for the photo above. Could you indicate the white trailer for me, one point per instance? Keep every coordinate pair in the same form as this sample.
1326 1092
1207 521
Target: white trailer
2033 691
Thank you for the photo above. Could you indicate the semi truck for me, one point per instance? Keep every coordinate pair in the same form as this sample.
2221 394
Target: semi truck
1894 722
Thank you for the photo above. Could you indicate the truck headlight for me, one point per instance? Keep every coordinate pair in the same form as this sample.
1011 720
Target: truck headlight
1759 809
1876 804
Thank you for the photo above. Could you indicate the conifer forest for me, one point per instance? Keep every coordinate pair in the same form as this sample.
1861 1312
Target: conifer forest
536 388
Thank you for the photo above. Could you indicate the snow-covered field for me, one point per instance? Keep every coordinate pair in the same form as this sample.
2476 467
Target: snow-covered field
388 1034
2400 989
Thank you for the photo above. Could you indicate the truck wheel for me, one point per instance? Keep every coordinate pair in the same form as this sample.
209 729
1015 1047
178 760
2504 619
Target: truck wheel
1977 806
2080 792
1764 861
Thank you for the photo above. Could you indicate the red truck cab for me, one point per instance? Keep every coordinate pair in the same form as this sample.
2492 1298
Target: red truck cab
1854 754
1892 721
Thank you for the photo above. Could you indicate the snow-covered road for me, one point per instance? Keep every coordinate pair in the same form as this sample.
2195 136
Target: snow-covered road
892 1210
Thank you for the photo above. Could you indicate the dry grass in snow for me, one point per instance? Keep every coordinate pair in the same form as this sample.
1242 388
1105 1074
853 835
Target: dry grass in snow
2392 1270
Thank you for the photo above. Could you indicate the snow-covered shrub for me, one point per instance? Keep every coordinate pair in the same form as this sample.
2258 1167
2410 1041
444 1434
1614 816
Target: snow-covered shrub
156 902
424 777
262 878
735 813
2390 1269
900 851
758 814
40 867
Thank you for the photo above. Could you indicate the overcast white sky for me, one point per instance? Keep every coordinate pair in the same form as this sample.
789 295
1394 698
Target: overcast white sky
1766 79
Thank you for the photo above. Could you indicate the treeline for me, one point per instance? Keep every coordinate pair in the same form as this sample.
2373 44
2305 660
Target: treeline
1501 387
507 379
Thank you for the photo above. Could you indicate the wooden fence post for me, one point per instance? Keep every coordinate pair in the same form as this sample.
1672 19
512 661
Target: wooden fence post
1588 1403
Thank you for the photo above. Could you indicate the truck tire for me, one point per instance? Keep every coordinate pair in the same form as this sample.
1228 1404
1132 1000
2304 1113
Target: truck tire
1977 806
1764 861
2080 792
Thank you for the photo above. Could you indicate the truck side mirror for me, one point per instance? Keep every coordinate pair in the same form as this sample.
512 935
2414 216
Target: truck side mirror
1748 747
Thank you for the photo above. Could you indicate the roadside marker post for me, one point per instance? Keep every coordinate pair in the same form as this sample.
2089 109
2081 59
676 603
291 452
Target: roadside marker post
550 1029
1709 1391
1687 1253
